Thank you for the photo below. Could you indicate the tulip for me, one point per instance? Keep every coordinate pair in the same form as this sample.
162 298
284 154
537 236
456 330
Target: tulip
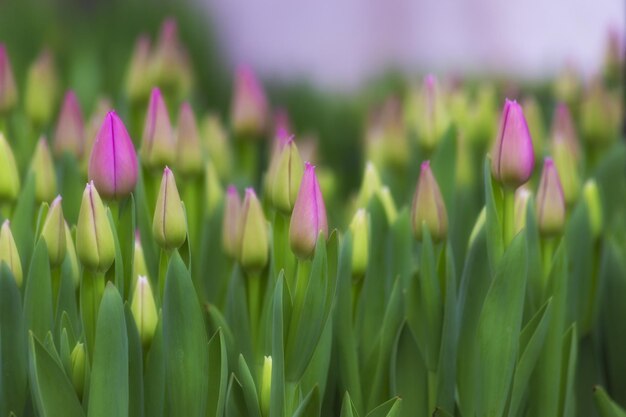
370 185
113 162
169 225
286 178
102 107
170 63
428 207
550 201
563 129
308 219
600 116
189 157
591 195
386 137
41 89
522 197
386 199
212 187
249 106
232 212
512 159
266 386
158 147
426 114
10 178
565 161
8 89
216 144
53 232
252 234
144 311
138 80
282 125
359 227
94 237
78 358
42 167
69 135
70 253
9 254
536 126
139 260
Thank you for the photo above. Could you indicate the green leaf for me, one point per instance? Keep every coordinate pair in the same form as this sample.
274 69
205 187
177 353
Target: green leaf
444 167
499 328
347 408
13 345
235 402
185 342
91 290
22 222
238 317
38 311
53 393
495 243
409 375
135 366
568 372
109 372
218 375
126 234
249 389
277 395
154 375
116 273
390 408
310 405
606 406
440 412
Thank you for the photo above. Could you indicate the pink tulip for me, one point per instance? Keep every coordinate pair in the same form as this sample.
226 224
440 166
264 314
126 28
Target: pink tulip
69 135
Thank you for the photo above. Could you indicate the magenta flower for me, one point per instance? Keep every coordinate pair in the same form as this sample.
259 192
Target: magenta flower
512 158
428 207
158 147
308 219
8 90
69 135
563 129
113 162
249 108
550 201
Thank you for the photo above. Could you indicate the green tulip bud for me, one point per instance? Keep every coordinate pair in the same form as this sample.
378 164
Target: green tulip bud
189 159
10 178
212 187
216 144
41 89
591 194
137 80
428 206
565 161
253 240
9 254
600 116
522 196
94 237
287 177
230 222
70 253
169 225
426 114
359 227
370 185
385 197
266 386
8 89
53 232
139 260
550 201
42 167
144 310
78 358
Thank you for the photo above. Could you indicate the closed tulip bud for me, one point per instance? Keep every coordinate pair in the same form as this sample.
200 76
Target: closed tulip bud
465 172
169 225
78 358
232 213
308 219
370 185
427 115
69 135
138 80
563 129
385 197
512 158
536 126
170 63
139 260
70 253
566 165
428 207
9 254
41 89
189 157
157 147
42 167
217 145
386 138
282 125
10 178
8 90
53 232
567 84
600 116
591 194
252 235
266 386
550 201
287 177
249 108
94 236
212 187
113 162
522 196
144 310
359 227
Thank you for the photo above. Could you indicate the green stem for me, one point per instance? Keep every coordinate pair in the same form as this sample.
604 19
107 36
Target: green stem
357 287
254 302
547 252
164 261
91 290
508 216
432 391
5 210
55 274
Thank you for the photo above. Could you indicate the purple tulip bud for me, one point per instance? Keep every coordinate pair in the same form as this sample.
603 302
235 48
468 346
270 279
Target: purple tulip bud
113 162
100 111
550 201
69 135
563 129
232 210
512 158
249 107
428 207
158 147
308 219
189 157
8 90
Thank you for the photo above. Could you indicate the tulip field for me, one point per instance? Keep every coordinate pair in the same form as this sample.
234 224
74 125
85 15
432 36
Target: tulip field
464 256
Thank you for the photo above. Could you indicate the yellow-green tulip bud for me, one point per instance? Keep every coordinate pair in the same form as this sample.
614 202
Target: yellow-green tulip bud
53 232
565 162
144 310
359 227
139 260
287 177
189 159
370 185
10 178
591 194
42 167
70 253
230 222
94 236
550 201
78 358
266 386
522 196
9 254
252 233
217 145
138 80
428 206
212 187
385 197
41 89
169 225
426 114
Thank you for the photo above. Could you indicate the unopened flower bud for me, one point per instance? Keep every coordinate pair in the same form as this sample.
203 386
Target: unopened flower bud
102 107
512 158
78 358
42 167
232 212
550 201
212 187
70 253
428 206
217 145
170 63
8 90
252 234
157 147
144 310
563 129
386 199
600 116
139 260
427 114
287 176
535 123
138 80
9 254
53 232
113 162
41 89
308 219
266 386
189 160
591 194
566 165
359 227
249 108
282 125
169 225
69 135
94 237
522 196
370 185
10 177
